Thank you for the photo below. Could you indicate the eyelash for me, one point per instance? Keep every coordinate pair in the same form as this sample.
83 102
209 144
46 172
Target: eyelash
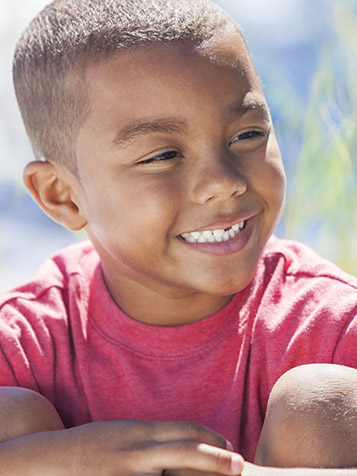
172 154
169 155
255 133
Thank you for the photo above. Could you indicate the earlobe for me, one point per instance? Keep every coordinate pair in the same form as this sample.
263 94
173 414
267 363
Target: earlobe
52 187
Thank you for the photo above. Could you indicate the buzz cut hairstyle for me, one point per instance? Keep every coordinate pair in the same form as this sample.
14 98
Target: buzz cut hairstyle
66 36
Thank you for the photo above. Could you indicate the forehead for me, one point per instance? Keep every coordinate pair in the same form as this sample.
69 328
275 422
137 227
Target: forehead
174 82
137 67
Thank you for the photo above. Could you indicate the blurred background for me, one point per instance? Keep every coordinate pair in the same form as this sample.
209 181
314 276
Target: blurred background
306 55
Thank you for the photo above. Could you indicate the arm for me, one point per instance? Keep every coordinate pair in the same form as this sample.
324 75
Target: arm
311 421
34 442
108 448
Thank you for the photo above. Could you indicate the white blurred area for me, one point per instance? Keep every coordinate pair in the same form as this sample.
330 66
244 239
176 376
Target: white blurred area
27 236
267 22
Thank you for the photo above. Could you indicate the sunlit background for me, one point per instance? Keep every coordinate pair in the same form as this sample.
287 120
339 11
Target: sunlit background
306 54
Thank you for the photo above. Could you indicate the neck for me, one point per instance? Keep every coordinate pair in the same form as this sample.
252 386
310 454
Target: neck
159 306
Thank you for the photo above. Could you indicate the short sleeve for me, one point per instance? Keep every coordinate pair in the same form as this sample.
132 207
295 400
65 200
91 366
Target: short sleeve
346 348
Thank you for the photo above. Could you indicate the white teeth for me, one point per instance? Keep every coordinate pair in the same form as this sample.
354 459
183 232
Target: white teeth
189 238
211 236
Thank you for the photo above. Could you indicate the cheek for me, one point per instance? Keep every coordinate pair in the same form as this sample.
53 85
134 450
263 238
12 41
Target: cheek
266 177
154 201
278 180
137 211
273 175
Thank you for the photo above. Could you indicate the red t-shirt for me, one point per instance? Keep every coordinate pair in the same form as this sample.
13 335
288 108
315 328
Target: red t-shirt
63 336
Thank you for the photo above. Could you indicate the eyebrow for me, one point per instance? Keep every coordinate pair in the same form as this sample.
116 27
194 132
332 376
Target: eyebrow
132 131
252 105
176 126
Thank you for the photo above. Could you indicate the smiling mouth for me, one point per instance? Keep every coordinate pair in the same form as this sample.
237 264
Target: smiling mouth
214 236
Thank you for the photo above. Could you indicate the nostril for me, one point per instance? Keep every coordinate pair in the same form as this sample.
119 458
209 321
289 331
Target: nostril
219 185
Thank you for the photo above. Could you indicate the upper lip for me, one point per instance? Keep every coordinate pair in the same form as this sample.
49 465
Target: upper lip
223 223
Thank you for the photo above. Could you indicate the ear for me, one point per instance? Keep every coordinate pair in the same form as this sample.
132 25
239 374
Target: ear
54 190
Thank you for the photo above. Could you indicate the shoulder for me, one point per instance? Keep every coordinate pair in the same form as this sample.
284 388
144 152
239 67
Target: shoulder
40 319
296 288
297 261
298 309
305 308
50 291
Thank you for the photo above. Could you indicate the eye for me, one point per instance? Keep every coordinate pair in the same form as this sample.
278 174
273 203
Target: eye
249 135
164 156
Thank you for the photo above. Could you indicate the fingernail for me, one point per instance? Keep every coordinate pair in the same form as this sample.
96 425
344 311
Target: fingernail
236 465
229 445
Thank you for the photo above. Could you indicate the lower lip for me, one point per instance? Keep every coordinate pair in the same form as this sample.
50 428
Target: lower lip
225 247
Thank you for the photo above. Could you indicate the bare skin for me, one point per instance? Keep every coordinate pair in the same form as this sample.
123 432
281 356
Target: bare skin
185 449
194 136
196 140
34 441
316 423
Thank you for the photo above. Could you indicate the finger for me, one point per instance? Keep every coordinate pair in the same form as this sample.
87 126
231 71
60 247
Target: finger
186 431
187 472
190 455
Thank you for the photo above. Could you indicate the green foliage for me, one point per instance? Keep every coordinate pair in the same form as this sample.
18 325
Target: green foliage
322 197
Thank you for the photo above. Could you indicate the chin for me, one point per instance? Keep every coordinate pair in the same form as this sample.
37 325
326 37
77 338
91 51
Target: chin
227 287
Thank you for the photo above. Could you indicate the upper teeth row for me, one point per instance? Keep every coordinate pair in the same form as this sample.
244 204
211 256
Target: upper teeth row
212 236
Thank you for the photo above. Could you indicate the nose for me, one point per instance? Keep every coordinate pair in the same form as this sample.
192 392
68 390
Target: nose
218 179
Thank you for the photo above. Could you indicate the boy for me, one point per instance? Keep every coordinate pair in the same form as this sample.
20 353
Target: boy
153 346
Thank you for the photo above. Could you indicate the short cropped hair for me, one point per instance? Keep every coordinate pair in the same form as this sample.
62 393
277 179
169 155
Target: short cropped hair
67 35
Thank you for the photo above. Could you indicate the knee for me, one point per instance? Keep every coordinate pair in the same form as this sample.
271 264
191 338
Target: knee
23 412
311 419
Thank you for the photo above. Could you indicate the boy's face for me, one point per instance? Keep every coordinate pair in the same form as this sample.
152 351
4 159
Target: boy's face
178 145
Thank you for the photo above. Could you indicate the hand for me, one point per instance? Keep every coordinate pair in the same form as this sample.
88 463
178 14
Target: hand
128 448
132 447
